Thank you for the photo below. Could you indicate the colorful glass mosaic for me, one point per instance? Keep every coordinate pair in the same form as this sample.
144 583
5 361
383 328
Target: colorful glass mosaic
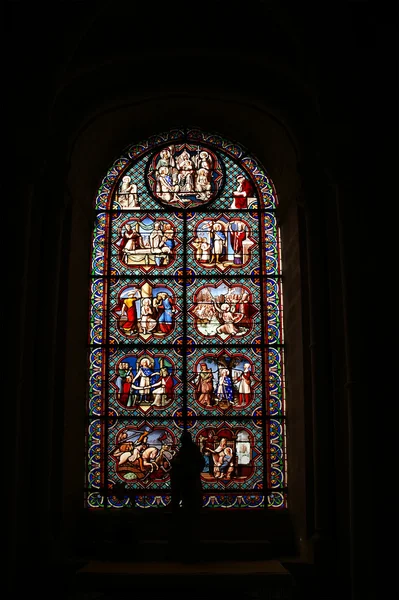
186 326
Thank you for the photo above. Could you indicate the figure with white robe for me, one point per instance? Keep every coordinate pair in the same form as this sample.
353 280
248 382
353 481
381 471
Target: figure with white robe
164 186
127 196
147 320
219 243
156 236
145 377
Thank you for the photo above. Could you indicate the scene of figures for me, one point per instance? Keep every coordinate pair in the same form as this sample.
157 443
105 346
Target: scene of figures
223 382
144 452
141 383
146 310
146 243
223 311
222 243
127 197
185 175
227 454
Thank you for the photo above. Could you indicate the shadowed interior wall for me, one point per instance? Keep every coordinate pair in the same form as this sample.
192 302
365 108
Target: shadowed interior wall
295 95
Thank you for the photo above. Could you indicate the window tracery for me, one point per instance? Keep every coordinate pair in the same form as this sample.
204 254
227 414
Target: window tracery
186 326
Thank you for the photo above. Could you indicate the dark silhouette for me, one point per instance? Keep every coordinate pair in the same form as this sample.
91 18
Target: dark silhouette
187 465
185 474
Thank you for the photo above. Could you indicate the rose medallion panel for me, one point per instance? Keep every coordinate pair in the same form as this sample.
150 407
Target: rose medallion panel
185 175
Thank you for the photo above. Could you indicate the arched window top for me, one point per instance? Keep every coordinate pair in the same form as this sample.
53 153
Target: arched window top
186 326
220 170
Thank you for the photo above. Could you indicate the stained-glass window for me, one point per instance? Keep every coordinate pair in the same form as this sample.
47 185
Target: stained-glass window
186 326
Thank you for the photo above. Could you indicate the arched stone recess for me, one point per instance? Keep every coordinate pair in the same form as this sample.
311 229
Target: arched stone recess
96 144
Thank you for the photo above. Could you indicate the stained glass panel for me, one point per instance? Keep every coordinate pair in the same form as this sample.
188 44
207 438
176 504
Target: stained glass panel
144 310
146 243
232 236
140 451
223 310
225 382
186 326
144 382
233 452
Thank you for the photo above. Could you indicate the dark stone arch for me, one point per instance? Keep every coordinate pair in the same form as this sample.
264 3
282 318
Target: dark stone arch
98 144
